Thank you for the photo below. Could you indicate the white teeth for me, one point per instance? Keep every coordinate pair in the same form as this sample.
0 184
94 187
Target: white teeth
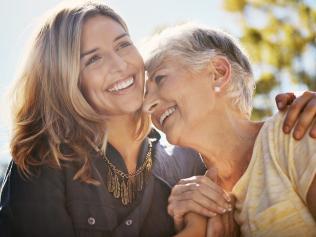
122 85
167 113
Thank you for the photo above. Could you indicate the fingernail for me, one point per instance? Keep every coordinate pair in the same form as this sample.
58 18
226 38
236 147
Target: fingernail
280 104
230 208
286 128
297 134
223 210
227 197
212 214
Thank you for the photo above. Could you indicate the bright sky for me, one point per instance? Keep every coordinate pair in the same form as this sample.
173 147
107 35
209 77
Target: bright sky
18 18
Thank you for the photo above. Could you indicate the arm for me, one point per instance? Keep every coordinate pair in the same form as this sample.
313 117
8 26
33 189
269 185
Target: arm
195 225
311 197
222 226
218 226
300 158
301 113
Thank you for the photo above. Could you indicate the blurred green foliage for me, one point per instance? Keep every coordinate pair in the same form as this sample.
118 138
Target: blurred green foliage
280 47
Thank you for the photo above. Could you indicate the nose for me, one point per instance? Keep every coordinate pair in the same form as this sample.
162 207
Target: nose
118 64
151 102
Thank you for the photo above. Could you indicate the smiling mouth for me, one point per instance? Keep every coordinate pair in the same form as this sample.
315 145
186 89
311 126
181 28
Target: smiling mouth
121 85
166 114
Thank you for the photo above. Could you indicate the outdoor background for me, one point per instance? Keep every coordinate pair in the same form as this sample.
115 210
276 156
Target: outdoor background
279 36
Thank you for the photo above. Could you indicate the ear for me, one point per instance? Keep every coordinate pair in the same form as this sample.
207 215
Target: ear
221 70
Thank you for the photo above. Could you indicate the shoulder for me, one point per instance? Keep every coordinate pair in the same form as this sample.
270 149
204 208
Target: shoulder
271 137
17 187
281 144
174 163
296 158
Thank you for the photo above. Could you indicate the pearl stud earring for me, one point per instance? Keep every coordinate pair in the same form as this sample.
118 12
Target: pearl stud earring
217 89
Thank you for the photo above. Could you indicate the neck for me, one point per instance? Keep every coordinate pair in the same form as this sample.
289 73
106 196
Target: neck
121 135
226 146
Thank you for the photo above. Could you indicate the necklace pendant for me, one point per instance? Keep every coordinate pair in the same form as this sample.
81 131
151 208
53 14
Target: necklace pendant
109 181
130 190
124 193
140 182
117 187
125 185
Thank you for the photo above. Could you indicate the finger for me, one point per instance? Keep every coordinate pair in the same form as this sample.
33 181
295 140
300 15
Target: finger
230 224
215 227
203 195
312 133
181 188
199 180
204 180
178 223
203 200
182 207
294 110
212 174
284 99
213 196
305 120
192 179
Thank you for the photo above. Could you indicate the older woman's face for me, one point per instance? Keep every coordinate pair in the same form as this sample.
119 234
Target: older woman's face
178 100
112 70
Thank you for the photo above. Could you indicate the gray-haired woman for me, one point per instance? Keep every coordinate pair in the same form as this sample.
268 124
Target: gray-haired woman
199 94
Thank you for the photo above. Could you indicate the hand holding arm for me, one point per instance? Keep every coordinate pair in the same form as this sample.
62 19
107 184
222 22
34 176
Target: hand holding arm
198 194
223 225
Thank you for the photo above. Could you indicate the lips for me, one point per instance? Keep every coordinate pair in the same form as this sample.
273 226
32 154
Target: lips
121 85
166 114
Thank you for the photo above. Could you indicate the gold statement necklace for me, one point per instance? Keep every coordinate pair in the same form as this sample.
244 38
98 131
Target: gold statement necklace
125 185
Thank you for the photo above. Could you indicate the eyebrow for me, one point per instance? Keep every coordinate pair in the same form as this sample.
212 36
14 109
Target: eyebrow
121 36
95 49
88 52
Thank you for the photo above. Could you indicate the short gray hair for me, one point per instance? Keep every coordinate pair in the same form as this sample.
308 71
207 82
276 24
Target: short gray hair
194 46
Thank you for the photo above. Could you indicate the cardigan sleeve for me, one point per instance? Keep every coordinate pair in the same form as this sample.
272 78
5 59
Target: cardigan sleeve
34 206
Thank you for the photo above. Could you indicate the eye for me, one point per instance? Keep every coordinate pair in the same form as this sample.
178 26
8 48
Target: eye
93 60
124 44
158 79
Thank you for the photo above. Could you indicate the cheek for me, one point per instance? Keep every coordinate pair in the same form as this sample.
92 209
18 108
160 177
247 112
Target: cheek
196 105
141 70
89 88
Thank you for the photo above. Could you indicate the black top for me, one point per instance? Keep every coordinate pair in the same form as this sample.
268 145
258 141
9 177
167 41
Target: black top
53 204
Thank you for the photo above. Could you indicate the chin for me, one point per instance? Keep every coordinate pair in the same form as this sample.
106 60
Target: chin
172 139
134 107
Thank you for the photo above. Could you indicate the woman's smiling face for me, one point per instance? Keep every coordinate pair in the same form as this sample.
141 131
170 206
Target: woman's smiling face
112 70
178 99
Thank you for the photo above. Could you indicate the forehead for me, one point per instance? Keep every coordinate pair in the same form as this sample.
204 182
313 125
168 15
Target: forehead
100 28
169 65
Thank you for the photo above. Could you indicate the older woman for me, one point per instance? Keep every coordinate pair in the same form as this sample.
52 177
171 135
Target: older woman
199 93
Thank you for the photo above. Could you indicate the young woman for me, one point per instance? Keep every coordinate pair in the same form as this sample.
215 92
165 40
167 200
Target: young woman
199 93
85 160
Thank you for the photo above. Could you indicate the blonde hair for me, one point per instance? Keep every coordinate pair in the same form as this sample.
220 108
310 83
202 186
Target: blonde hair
194 46
53 122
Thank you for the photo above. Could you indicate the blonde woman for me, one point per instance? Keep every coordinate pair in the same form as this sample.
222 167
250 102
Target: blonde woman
85 160
199 94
